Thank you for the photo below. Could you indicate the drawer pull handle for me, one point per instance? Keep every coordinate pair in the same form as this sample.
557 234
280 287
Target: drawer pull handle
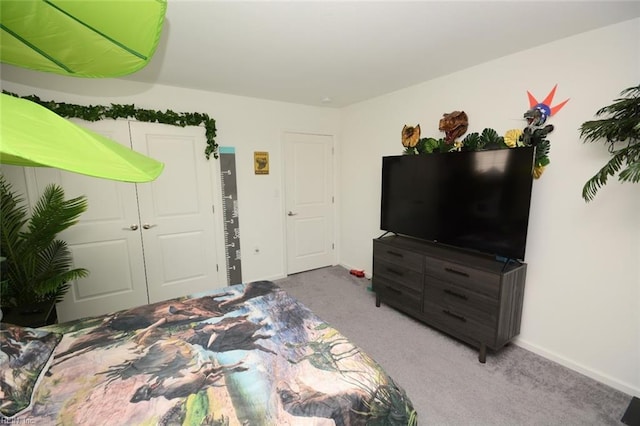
455 294
393 271
453 271
395 253
393 290
456 316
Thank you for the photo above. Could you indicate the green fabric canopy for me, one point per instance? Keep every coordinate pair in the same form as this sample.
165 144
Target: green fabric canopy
96 38
32 135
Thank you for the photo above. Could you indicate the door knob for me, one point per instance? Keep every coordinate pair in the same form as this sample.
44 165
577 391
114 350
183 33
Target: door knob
291 214
148 226
133 227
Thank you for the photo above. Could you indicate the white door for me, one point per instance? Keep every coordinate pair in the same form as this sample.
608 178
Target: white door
106 240
309 201
176 212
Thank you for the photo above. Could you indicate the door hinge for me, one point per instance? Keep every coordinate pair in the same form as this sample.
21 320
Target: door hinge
333 200
217 268
333 246
213 208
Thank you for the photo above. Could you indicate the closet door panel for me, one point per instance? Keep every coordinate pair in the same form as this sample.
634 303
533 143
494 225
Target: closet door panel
176 211
102 241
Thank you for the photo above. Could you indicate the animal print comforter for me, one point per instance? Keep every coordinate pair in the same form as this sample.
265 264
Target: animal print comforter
248 354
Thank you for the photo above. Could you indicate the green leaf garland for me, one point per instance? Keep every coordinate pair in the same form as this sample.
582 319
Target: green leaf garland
101 112
489 139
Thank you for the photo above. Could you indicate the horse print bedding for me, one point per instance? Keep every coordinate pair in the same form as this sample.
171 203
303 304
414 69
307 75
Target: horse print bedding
248 354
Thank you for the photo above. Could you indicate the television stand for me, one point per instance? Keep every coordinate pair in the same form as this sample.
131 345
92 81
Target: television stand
386 233
474 298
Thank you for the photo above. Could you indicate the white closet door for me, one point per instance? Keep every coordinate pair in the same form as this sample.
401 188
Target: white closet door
176 212
103 241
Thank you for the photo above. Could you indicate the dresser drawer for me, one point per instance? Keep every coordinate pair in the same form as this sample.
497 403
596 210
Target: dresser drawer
398 256
398 294
460 323
398 274
475 306
475 280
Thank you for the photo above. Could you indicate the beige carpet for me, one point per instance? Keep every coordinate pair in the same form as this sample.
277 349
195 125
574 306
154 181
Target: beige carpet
443 377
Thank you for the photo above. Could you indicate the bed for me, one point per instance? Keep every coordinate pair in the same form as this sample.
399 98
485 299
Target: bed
248 354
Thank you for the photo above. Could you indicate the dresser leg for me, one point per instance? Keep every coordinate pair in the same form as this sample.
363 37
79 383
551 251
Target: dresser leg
482 357
377 301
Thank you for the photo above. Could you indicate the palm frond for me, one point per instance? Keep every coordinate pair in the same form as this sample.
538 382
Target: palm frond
409 151
13 219
598 180
53 268
620 126
472 142
631 173
612 131
14 216
542 153
427 145
631 91
490 138
51 215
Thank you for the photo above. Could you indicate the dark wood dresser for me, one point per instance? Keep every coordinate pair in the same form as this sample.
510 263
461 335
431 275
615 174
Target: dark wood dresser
469 296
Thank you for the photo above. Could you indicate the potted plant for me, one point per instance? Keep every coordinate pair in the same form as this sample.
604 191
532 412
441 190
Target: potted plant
621 131
37 265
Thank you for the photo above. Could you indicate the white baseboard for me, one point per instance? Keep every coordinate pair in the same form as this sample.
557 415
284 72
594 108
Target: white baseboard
270 278
627 388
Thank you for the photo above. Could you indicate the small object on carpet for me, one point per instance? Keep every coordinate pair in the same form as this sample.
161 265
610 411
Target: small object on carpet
357 272
632 415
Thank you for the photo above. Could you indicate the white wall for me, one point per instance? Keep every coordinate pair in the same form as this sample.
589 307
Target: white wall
582 298
247 124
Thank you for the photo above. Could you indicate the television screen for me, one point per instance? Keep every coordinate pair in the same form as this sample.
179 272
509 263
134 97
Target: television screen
477 200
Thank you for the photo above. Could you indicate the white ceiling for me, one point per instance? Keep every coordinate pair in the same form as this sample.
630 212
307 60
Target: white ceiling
310 52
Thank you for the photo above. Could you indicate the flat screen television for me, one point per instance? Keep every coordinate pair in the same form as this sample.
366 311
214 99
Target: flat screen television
475 200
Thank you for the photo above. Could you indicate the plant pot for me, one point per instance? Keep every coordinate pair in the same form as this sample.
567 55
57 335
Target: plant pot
32 315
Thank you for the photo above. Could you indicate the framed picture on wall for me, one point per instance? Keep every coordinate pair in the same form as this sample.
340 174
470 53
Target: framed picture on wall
261 162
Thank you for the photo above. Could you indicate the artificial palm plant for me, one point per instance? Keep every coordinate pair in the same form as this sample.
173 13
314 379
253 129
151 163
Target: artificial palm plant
621 131
38 264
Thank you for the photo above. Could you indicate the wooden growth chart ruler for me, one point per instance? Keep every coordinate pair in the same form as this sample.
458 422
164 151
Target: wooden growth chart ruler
230 214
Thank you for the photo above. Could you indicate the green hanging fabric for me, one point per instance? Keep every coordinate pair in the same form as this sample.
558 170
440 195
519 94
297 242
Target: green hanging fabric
97 38
33 136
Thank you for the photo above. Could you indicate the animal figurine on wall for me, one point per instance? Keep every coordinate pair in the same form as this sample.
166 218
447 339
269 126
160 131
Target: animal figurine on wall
410 136
537 116
454 125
